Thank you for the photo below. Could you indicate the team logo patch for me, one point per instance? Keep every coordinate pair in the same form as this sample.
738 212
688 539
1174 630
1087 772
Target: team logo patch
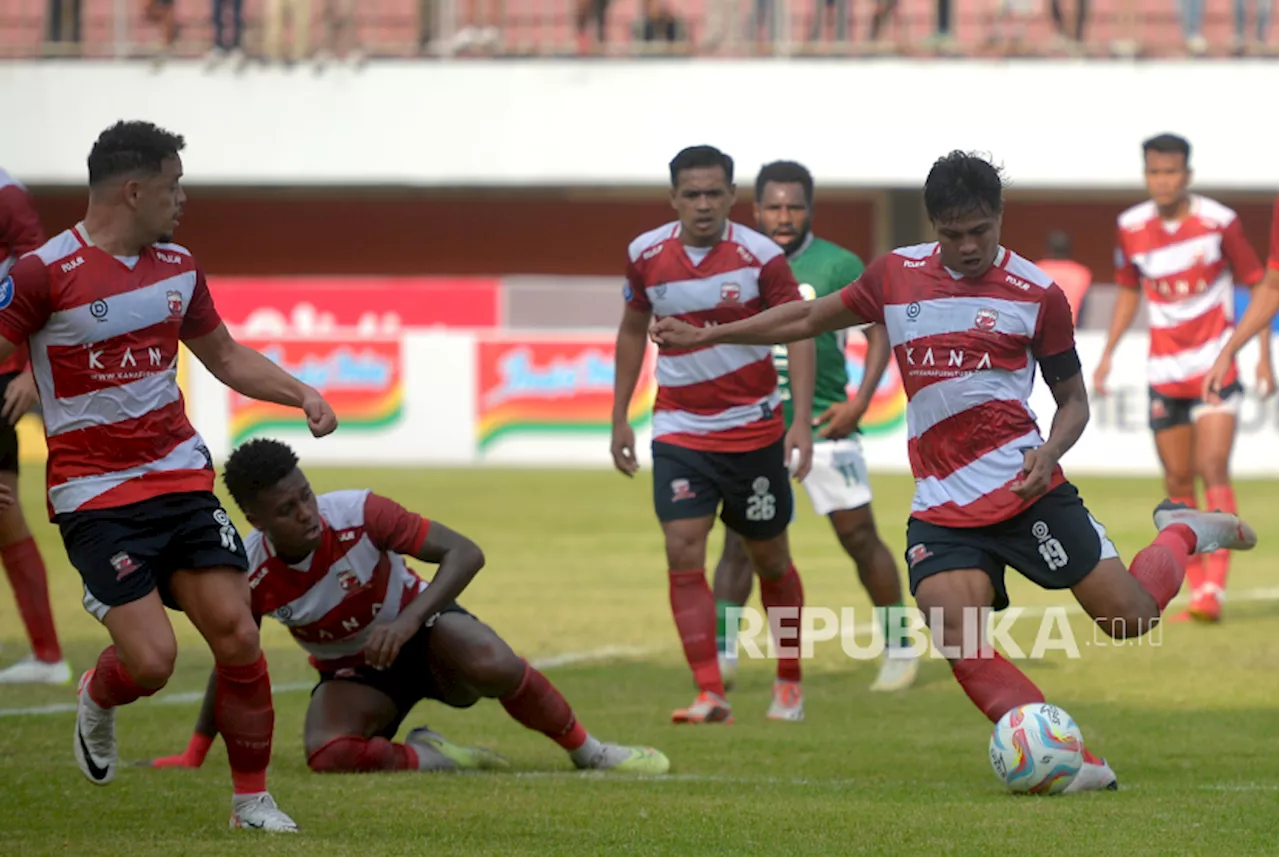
98 309
627 293
124 565
175 304
730 292
1158 410
660 291
913 310
917 554
6 292
348 581
680 490
986 319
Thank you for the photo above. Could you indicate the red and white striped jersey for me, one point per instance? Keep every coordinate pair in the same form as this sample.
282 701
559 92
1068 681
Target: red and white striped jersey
723 397
20 232
1273 255
1188 273
356 579
104 335
966 351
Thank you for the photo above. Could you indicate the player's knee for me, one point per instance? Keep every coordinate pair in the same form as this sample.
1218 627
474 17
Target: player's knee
493 669
1214 474
236 641
152 666
861 543
770 559
1179 483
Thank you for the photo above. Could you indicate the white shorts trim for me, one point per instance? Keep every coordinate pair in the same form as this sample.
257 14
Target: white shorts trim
838 478
1108 547
1229 405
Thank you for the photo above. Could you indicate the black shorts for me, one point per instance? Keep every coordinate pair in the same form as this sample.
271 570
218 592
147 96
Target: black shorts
124 553
8 434
755 487
1054 543
408 680
1167 412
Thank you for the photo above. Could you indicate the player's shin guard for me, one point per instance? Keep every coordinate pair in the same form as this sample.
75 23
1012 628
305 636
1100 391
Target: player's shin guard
246 720
351 754
694 610
25 569
783 601
995 685
537 705
1221 499
112 684
1161 565
1195 563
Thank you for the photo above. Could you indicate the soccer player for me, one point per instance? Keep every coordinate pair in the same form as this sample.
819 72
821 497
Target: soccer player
130 481
20 232
837 484
1185 252
968 321
331 569
718 435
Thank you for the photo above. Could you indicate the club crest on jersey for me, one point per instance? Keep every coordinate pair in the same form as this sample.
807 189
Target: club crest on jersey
175 304
348 581
6 292
680 490
730 293
986 319
124 565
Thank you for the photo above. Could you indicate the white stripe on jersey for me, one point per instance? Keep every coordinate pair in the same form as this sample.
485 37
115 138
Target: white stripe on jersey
683 422
685 296
955 315
75 492
1164 315
977 479
119 314
108 405
1174 259
1186 364
681 370
942 399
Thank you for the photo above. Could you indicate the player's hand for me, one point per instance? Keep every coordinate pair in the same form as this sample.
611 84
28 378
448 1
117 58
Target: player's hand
623 448
320 417
19 397
840 420
6 497
673 333
1037 472
1100 375
1266 378
1213 380
385 641
799 450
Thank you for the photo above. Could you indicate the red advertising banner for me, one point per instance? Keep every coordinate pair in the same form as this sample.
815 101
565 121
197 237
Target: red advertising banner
308 306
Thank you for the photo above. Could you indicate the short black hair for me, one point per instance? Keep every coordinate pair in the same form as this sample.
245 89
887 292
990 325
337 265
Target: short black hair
128 147
1168 144
960 183
785 172
700 156
256 466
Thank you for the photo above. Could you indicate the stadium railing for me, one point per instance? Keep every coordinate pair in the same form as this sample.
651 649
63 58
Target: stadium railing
121 29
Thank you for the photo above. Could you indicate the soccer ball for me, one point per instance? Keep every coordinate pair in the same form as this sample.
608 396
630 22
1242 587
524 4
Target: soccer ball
1036 749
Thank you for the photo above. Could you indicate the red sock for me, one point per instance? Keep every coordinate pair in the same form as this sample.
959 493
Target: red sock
25 568
246 720
1161 565
1195 564
1221 499
351 754
112 685
694 609
785 592
537 705
995 685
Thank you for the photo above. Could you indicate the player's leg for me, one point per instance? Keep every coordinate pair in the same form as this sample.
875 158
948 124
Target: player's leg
685 497
1170 421
839 487
25 569
731 586
1215 433
468 660
759 504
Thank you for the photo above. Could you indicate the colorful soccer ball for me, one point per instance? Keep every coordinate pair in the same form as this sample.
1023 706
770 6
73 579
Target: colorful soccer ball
1037 749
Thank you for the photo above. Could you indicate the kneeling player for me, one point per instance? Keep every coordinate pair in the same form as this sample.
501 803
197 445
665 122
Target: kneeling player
330 569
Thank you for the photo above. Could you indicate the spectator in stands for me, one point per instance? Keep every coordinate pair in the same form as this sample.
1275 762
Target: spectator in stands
340 37
299 14
1192 12
659 25
160 12
942 40
823 10
885 10
1073 278
64 21
586 14
228 37
720 23
1076 33
1262 17
478 22
1007 28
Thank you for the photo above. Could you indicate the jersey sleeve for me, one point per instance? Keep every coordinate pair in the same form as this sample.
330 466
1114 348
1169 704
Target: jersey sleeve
633 290
1055 332
777 283
25 301
392 527
1126 272
202 316
864 297
20 225
1245 265
1273 257
849 269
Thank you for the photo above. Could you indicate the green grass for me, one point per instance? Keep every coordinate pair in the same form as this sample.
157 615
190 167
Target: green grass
576 564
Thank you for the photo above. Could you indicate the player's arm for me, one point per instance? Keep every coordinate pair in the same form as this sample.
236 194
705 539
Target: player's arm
25 303
1126 308
878 352
1247 268
628 360
788 323
19 222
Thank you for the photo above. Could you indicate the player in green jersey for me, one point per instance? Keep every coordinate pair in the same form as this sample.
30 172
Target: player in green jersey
837 483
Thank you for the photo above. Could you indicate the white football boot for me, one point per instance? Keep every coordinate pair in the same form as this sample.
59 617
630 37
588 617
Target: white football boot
1093 778
788 702
1214 530
32 671
95 740
259 812
897 672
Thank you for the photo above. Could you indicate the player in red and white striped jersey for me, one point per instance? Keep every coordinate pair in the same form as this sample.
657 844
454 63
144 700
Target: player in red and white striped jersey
130 481
21 232
331 568
968 321
718 433
1186 252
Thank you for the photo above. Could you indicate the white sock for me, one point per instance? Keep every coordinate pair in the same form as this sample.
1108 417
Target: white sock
586 752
